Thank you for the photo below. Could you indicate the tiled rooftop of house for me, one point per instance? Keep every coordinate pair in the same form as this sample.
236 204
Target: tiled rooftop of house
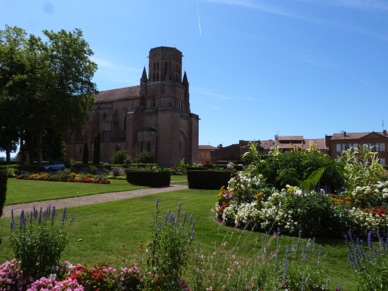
355 135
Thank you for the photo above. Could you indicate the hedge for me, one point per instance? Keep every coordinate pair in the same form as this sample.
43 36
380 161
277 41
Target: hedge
208 179
149 178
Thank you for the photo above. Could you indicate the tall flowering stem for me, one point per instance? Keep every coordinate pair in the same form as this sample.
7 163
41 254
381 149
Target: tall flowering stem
169 248
38 242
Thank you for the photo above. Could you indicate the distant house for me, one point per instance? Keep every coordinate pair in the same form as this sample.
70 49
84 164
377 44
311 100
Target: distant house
234 152
205 154
339 142
287 143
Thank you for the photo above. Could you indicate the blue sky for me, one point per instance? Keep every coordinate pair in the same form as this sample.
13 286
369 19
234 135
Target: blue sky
256 68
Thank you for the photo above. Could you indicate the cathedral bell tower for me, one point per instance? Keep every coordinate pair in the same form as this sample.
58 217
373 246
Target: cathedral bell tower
165 64
165 87
166 127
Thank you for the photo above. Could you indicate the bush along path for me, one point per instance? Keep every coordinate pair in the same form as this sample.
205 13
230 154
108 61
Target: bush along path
87 200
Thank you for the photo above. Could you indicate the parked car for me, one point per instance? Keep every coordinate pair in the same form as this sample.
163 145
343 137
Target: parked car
53 166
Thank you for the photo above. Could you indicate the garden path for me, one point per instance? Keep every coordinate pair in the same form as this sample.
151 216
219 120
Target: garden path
87 200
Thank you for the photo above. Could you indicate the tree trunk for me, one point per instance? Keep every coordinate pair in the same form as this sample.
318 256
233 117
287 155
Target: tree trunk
39 149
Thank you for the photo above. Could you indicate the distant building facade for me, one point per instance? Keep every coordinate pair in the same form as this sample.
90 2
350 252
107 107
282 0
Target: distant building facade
234 152
332 145
339 142
205 154
153 117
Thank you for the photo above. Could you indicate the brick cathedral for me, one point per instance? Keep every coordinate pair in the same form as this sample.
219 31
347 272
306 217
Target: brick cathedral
154 116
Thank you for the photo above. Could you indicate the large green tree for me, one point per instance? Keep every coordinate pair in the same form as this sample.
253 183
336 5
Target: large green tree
12 66
49 84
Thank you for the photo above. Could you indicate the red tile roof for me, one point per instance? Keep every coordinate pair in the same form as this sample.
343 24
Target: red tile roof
118 94
267 144
290 138
206 147
320 142
355 135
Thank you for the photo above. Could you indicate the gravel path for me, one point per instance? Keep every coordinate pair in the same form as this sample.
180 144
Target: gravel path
87 200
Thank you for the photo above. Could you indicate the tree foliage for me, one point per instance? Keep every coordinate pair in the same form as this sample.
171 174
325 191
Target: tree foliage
48 80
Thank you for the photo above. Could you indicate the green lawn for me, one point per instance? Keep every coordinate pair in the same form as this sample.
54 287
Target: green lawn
23 191
113 231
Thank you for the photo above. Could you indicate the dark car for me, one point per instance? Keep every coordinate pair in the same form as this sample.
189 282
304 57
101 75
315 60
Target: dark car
53 166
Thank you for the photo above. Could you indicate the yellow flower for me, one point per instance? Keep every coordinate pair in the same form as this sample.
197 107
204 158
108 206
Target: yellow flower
258 196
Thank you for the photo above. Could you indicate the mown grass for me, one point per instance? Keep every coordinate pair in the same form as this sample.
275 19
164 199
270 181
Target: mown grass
23 191
114 231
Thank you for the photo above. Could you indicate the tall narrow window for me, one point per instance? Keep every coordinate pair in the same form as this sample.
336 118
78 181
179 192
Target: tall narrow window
148 146
125 118
338 147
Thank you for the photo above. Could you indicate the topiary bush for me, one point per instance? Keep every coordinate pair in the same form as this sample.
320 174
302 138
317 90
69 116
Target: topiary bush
208 179
150 178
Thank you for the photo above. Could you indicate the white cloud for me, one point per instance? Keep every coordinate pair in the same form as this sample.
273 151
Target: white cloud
115 75
362 4
208 92
286 12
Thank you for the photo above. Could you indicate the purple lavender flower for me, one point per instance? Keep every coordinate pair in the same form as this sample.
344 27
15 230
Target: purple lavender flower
157 203
12 221
179 210
64 216
22 220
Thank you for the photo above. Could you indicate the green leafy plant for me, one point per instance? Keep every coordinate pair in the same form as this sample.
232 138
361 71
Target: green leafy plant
38 242
312 180
362 167
252 156
268 266
170 248
119 157
181 167
145 157
369 261
291 167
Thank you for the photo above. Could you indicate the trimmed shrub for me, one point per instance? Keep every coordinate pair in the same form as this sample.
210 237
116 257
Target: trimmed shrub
3 189
119 157
149 178
207 179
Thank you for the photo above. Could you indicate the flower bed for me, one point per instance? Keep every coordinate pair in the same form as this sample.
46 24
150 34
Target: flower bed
249 202
246 204
63 177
